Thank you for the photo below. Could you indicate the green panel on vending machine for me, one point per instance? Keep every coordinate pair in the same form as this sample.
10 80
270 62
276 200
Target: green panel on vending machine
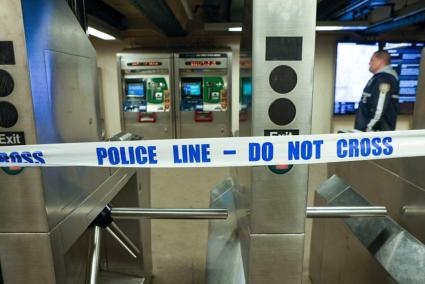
155 90
213 88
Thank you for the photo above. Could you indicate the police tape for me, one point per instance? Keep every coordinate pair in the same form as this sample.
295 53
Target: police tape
221 152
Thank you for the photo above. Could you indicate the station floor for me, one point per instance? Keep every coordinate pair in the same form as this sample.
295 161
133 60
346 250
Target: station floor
179 248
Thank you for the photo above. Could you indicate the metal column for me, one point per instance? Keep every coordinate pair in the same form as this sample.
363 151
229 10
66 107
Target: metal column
283 40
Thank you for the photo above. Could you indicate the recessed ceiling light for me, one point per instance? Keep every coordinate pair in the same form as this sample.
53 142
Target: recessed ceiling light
93 32
341 28
235 29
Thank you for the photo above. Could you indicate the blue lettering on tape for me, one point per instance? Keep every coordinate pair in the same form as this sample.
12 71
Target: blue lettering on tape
191 153
141 155
38 157
341 152
101 155
365 147
376 148
304 150
388 149
259 152
127 155
25 157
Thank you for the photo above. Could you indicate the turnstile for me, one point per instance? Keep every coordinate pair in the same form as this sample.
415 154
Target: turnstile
48 67
390 250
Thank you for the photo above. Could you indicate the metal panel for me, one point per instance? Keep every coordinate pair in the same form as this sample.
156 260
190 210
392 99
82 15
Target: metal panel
23 191
359 266
26 252
276 258
279 201
62 72
317 244
375 249
389 189
334 252
75 260
73 112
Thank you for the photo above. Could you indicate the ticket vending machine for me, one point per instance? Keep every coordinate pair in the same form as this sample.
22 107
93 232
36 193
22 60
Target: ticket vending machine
146 94
202 94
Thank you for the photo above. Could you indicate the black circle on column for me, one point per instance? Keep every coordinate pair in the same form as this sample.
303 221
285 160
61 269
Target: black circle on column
283 79
6 83
282 111
8 115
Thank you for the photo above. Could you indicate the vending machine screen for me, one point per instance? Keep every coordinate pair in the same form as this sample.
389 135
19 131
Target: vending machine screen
136 89
191 94
246 88
192 87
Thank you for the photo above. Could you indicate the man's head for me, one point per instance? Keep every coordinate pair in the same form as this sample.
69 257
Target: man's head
379 60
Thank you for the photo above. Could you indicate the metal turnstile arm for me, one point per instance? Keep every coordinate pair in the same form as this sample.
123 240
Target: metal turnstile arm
94 255
177 213
346 211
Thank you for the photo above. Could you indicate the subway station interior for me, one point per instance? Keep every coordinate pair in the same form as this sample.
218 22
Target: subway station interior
76 71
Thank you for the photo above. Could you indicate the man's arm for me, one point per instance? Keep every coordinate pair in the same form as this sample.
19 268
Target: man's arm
379 102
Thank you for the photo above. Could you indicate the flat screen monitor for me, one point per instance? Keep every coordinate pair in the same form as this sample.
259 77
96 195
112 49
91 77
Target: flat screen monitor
191 87
352 72
405 59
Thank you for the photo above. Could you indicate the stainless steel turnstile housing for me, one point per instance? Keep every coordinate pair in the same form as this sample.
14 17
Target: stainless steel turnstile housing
45 212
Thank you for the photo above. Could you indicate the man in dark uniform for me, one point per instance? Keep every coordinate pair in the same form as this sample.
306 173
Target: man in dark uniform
379 103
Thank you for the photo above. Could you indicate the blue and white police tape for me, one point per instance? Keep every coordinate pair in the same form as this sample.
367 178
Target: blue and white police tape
221 152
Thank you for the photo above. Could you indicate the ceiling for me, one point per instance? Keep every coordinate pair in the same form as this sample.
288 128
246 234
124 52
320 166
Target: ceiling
132 19
187 19
381 17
